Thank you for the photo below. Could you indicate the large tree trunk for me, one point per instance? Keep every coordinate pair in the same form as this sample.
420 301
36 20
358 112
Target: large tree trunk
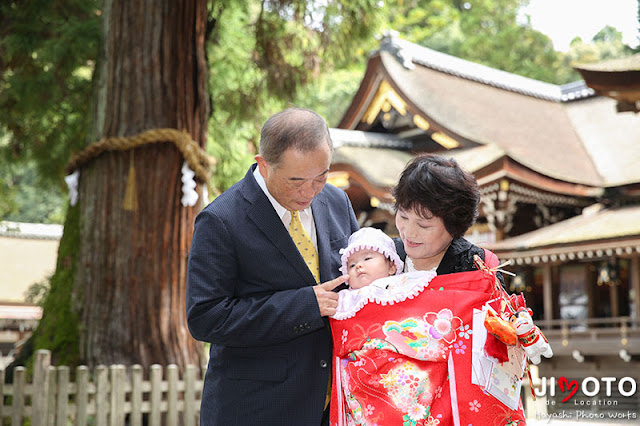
131 274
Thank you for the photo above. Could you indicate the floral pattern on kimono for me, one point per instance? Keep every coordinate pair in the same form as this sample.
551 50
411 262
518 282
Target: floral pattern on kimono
402 354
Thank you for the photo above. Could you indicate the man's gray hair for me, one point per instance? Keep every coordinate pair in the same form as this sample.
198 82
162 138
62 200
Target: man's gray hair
297 128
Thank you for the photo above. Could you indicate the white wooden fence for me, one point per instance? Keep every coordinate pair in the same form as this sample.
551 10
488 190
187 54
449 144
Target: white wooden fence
111 396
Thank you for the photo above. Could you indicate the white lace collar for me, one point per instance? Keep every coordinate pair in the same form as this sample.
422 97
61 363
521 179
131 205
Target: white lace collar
385 291
410 267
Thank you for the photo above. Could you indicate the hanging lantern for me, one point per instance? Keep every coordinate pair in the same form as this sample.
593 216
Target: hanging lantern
518 285
607 274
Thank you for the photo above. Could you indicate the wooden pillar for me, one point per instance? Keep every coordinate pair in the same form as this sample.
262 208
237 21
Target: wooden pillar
547 292
635 286
614 301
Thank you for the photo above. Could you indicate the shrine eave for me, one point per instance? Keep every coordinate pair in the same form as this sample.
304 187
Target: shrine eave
535 183
597 233
618 79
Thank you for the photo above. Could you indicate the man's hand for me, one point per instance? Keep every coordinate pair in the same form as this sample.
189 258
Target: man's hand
327 299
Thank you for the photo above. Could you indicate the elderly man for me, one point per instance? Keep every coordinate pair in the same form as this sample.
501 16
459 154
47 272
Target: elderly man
263 263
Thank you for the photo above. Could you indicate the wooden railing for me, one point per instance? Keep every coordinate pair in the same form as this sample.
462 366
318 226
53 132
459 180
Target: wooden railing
595 336
589 323
113 396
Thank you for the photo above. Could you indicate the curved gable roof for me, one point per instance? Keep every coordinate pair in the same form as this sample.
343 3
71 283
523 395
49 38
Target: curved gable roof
524 126
558 131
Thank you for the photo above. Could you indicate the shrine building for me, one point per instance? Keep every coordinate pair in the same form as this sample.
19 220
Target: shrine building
559 175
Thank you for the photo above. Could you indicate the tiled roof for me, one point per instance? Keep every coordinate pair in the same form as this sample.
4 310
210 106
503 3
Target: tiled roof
342 137
30 230
20 312
380 166
590 236
563 132
383 166
521 125
591 226
574 91
611 139
474 159
409 54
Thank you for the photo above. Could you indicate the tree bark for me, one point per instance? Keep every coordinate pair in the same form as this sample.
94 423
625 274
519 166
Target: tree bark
131 276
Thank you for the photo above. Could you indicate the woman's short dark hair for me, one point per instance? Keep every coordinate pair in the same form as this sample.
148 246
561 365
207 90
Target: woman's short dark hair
298 128
441 186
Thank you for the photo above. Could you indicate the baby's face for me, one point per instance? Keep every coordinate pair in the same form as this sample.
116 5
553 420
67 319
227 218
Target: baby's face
365 266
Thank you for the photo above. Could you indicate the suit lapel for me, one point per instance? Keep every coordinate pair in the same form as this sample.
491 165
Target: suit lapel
262 213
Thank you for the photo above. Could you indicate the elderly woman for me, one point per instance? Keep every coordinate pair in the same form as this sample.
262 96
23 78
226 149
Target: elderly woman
436 203
404 355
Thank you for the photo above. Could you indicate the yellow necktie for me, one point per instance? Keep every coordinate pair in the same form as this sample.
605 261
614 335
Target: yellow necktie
304 244
310 256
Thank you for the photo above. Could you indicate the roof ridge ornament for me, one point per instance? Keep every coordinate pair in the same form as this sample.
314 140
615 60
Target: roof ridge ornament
392 43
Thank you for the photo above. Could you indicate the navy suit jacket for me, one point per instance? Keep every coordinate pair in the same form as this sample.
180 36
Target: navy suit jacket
249 294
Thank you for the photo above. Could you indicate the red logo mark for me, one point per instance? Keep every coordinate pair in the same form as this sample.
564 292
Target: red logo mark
566 385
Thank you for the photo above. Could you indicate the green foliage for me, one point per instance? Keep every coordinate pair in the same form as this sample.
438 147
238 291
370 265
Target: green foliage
237 90
331 94
419 20
492 32
47 49
264 55
607 44
261 54
26 198
489 33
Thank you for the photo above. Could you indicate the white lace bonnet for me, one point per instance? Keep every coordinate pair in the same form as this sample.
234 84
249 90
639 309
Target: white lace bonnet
372 239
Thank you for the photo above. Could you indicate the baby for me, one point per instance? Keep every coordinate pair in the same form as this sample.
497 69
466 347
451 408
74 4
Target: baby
369 255
375 273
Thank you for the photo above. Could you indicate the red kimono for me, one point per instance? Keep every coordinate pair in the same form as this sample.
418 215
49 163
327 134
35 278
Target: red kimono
410 364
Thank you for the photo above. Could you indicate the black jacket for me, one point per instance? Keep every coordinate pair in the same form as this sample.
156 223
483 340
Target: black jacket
250 294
